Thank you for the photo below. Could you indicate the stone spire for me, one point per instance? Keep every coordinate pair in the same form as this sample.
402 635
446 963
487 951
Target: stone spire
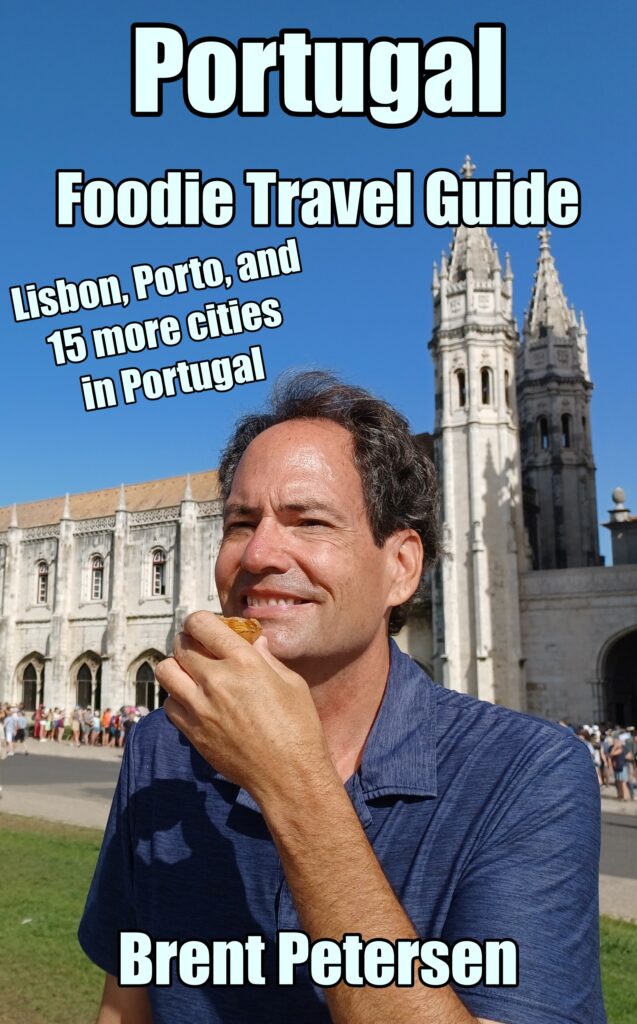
548 308
14 516
476 445
187 489
66 511
554 391
471 248
121 504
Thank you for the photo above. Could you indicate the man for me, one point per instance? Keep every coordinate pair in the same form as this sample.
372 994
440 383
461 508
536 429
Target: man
319 782
10 729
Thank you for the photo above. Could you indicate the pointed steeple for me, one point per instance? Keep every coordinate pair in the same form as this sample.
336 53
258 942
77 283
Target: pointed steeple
471 248
549 308
187 489
66 511
121 504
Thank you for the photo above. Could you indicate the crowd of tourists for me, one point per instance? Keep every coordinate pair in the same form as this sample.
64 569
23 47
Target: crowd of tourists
614 754
613 749
80 727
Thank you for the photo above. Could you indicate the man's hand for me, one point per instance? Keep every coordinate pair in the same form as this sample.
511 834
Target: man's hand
248 715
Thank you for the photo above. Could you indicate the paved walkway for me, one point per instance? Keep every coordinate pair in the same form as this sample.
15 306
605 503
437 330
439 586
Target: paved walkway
81 801
87 802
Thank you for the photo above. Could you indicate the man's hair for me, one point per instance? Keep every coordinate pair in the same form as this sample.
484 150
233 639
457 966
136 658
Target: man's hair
399 481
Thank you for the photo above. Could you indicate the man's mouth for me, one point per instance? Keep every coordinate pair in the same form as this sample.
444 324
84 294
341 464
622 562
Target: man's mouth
253 601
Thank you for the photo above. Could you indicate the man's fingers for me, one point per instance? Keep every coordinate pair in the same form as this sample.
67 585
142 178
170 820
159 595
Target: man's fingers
217 638
194 659
178 715
176 682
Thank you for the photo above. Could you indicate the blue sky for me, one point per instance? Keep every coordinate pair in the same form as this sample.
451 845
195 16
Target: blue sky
362 306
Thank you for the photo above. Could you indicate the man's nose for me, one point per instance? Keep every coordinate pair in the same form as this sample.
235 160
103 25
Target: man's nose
266 551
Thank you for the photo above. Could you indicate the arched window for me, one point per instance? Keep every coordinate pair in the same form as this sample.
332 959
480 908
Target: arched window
84 686
543 433
507 389
566 430
462 388
485 385
158 583
97 578
42 593
145 686
29 687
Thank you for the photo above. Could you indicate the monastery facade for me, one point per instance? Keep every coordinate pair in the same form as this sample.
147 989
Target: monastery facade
521 611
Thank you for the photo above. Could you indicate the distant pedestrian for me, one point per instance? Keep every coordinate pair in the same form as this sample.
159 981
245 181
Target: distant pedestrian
620 768
86 722
105 721
10 729
37 720
21 731
75 726
95 728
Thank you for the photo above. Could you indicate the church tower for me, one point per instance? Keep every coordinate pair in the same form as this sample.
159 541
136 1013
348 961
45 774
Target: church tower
477 647
554 391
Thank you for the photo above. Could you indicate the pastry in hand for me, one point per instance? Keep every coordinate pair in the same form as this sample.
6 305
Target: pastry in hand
249 629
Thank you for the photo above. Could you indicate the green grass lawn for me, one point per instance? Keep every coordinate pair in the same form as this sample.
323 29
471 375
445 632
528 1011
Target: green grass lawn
46 979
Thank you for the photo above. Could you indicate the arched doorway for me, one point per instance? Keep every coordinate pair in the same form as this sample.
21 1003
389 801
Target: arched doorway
620 679
84 686
30 681
86 678
148 692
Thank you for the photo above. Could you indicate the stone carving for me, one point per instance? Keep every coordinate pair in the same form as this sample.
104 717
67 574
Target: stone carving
155 515
94 525
41 532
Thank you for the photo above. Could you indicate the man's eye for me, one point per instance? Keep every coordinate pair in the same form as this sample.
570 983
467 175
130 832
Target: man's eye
238 525
313 522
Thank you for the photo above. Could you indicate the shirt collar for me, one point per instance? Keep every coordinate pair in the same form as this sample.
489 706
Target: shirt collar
399 758
400 754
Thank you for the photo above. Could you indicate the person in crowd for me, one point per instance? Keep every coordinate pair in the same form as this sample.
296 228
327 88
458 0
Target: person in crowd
629 747
95 728
620 768
76 725
10 728
21 731
37 719
105 721
46 724
114 729
60 724
86 722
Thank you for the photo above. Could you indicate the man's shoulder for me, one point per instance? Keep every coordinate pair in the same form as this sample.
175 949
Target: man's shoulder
153 728
464 710
504 736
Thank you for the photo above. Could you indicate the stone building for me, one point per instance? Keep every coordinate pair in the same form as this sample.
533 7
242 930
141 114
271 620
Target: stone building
521 611
94 587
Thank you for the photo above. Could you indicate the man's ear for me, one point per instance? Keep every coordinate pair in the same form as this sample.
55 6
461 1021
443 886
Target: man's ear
406 562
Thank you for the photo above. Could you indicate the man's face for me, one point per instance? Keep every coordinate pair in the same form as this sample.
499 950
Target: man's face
298 552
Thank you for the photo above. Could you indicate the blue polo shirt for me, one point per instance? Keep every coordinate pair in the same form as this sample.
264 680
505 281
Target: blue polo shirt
485 822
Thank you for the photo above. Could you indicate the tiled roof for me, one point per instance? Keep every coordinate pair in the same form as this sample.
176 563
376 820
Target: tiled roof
91 504
152 494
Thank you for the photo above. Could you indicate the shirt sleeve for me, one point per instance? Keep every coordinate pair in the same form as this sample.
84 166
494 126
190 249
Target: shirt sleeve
110 905
534 879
